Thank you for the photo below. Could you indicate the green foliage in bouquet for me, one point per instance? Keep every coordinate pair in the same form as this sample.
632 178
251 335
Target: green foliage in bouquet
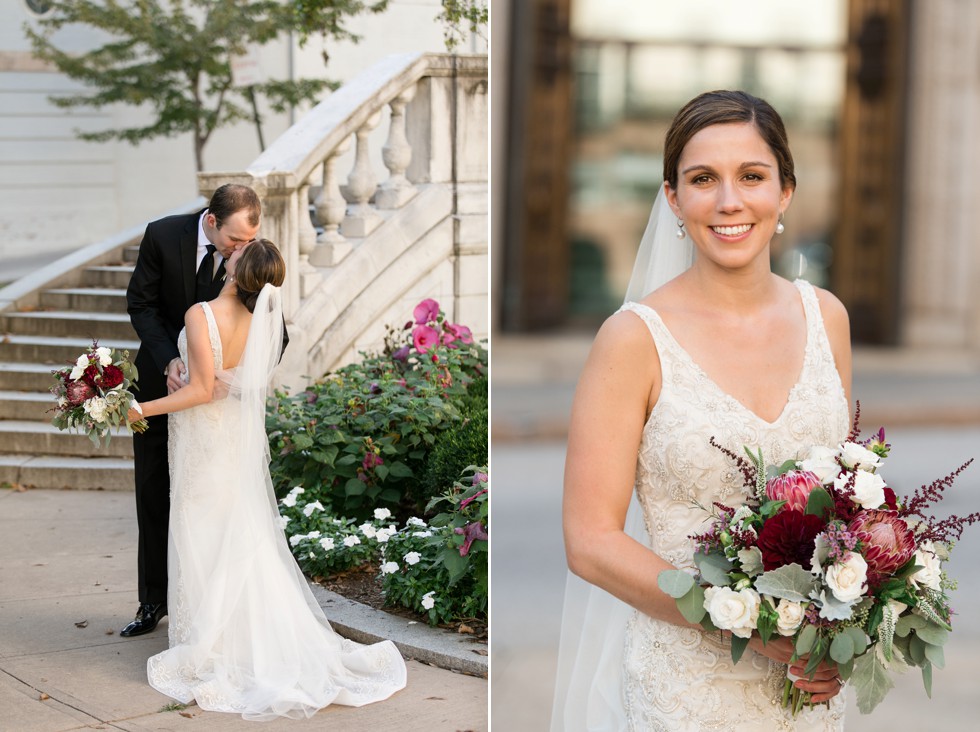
361 437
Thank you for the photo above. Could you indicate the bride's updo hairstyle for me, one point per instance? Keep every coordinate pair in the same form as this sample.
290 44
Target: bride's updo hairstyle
727 107
261 263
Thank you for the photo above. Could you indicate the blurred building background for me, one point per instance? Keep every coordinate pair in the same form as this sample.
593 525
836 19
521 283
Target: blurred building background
881 100
879 97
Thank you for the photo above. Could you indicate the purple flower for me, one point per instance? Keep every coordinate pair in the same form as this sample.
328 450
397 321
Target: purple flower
374 388
426 311
480 478
401 354
472 531
371 460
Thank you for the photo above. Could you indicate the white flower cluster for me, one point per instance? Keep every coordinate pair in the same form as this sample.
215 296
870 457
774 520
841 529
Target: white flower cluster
869 488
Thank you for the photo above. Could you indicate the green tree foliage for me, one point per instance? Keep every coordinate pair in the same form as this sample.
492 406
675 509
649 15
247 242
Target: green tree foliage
174 57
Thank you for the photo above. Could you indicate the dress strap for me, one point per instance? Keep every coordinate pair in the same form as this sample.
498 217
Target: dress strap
214 335
662 338
816 335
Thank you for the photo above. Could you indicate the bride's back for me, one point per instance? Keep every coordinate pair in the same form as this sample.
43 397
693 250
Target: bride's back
233 321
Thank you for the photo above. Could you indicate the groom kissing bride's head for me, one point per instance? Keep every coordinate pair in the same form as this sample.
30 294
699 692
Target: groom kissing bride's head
254 266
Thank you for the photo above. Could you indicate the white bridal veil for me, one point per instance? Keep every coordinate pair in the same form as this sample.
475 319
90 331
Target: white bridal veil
589 685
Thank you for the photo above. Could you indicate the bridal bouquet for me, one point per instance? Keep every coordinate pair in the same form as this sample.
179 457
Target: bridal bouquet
825 553
94 395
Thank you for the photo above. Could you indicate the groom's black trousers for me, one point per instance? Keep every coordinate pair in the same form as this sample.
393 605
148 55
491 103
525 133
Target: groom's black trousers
152 509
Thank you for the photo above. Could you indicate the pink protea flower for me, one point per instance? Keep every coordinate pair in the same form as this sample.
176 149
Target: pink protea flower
794 487
426 311
425 338
886 542
77 392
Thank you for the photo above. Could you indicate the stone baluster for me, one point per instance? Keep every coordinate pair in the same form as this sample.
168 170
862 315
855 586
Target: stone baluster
361 218
309 278
397 154
330 206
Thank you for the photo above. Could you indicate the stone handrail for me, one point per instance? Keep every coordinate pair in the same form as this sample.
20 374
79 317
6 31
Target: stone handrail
435 153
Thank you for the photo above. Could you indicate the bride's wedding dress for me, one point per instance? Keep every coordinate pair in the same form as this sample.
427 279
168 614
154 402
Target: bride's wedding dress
246 634
649 675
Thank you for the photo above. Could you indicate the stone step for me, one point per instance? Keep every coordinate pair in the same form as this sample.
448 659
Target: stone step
131 254
56 352
109 275
43 438
104 326
87 299
26 405
47 471
26 376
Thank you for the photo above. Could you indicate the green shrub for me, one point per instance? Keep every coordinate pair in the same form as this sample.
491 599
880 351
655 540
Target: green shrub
461 445
360 438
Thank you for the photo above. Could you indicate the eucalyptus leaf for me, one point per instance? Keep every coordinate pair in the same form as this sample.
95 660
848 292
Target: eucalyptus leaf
935 656
714 568
907 623
819 503
805 640
675 582
846 669
927 679
933 634
817 655
842 648
859 639
917 650
871 682
691 605
790 582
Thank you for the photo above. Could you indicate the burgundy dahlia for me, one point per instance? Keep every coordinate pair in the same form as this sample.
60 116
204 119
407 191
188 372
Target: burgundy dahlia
794 487
112 376
886 542
787 538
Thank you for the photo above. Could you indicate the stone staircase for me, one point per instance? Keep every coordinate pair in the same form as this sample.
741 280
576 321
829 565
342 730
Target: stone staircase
42 337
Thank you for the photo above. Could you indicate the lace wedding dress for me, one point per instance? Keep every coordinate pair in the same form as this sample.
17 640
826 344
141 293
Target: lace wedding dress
246 634
677 678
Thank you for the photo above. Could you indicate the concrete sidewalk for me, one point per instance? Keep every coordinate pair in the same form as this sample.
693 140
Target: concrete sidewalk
68 584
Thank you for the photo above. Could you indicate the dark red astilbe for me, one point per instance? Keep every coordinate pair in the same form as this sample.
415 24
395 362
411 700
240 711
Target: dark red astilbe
112 376
855 432
747 470
844 508
788 538
949 529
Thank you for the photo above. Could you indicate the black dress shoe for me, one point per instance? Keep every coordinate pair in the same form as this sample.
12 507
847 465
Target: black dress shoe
146 620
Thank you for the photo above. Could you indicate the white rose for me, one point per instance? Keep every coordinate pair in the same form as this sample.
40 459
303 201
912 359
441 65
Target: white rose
751 560
412 558
822 462
104 355
734 611
368 530
327 543
428 601
869 488
389 568
309 508
931 573
351 540
848 579
95 408
854 455
381 513
790 617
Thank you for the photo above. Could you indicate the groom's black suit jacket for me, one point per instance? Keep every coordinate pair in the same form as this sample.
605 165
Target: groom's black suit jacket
160 292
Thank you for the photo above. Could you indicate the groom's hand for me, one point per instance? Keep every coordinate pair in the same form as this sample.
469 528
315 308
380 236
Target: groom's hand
175 375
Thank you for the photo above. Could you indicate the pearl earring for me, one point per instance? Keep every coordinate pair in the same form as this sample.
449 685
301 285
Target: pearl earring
680 229
779 225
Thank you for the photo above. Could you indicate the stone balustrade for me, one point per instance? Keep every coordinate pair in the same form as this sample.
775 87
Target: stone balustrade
363 248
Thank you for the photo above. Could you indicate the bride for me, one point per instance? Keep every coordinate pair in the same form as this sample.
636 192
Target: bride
246 634
710 344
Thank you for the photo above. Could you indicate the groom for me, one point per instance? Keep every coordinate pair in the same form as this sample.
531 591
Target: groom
181 262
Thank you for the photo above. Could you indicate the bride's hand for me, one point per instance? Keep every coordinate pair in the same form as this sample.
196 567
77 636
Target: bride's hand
826 682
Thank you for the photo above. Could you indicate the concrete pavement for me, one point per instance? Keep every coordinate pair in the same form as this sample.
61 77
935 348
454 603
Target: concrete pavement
68 584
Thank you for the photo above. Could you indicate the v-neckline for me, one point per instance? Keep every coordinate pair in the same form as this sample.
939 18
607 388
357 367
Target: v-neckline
726 395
